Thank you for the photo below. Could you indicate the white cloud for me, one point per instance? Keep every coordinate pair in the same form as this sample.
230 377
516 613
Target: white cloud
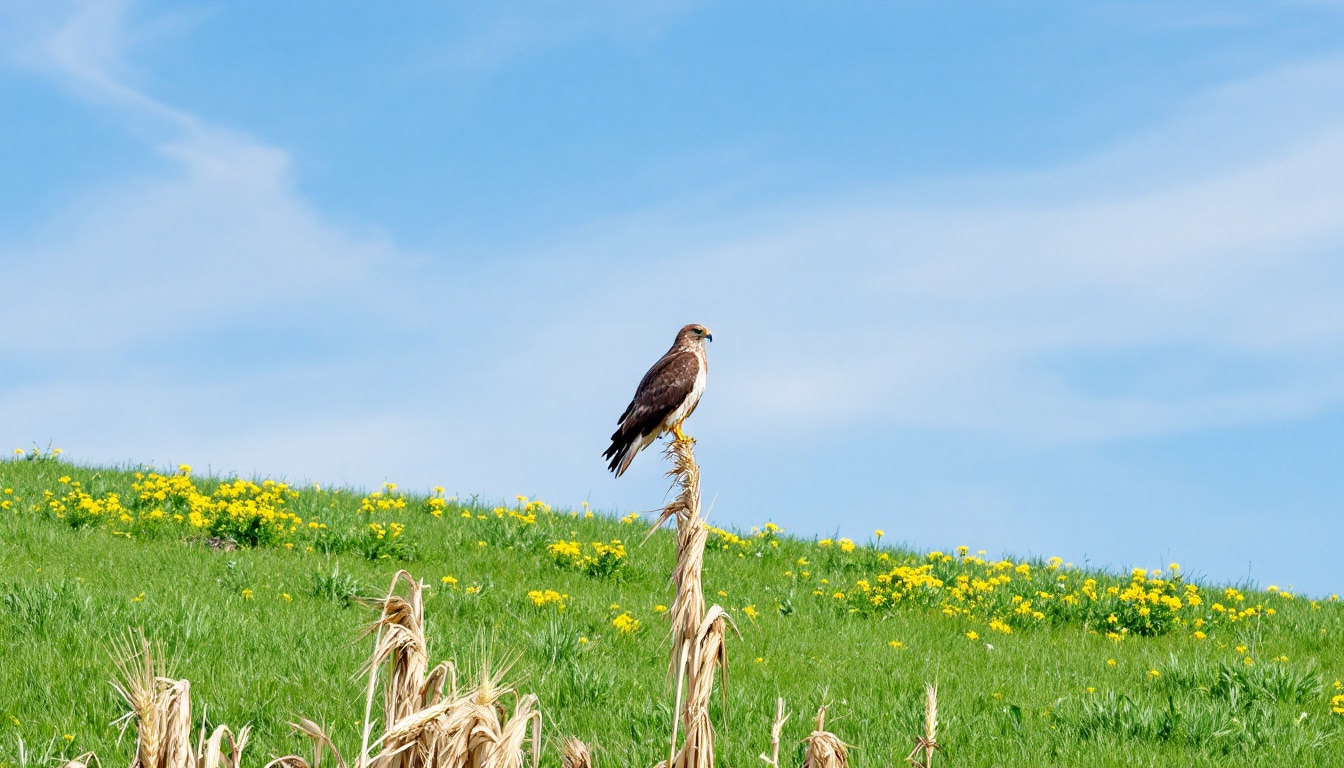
217 239
503 35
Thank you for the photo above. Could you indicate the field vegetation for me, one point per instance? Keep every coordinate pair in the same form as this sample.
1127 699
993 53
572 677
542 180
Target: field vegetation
255 591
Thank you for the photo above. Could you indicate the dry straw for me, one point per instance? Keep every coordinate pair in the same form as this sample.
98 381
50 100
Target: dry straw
424 725
697 634
688 601
927 742
77 762
706 653
161 710
825 749
428 723
775 730
574 754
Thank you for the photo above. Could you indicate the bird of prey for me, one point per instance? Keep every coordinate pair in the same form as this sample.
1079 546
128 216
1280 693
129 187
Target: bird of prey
666 395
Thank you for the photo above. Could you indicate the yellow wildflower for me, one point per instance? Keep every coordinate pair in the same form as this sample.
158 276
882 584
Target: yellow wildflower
542 598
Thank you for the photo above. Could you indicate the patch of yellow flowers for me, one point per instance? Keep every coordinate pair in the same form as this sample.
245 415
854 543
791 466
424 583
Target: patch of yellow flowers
390 531
385 500
595 559
625 624
247 512
544 597
760 536
1007 594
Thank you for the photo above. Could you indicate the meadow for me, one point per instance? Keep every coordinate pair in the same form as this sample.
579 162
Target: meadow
254 588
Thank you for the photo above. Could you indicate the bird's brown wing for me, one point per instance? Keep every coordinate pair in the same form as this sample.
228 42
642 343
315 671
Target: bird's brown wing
667 385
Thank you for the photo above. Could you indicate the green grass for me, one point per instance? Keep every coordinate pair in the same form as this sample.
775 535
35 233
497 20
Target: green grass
266 634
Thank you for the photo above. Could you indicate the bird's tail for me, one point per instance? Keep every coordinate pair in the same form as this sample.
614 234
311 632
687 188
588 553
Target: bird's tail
620 455
623 449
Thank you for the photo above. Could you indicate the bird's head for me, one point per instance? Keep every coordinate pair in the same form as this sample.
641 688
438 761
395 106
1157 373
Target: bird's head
697 333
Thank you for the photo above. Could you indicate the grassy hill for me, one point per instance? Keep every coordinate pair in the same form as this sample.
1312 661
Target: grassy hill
248 585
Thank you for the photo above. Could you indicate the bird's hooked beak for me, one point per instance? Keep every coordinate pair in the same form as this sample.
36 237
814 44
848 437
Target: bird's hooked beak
709 337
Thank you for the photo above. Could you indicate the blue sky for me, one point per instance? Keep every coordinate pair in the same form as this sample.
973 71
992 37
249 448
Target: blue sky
1042 278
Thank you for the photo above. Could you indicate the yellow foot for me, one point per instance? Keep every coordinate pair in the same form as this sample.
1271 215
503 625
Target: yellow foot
678 434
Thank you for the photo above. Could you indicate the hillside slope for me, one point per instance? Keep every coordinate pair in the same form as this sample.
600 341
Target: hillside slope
247 585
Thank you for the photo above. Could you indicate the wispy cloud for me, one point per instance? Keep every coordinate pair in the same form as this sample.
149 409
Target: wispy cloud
81 45
1220 238
500 35
197 306
219 238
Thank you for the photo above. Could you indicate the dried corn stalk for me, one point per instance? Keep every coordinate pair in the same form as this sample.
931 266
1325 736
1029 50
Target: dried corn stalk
161 710
927 743
825 749
399 646
705 655
575 754
775 730
424 725
78 762
688 600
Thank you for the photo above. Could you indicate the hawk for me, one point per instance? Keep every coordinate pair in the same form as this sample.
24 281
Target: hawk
666 395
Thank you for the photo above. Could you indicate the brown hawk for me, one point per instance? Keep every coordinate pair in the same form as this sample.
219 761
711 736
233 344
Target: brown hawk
665 397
